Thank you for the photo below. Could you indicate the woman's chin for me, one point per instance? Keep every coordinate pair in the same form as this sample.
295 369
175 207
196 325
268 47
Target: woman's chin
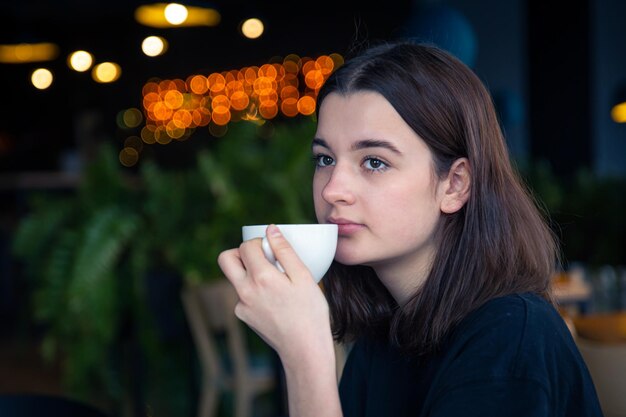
349 259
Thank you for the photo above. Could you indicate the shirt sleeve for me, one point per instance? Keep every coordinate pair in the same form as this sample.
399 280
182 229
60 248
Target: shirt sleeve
493 397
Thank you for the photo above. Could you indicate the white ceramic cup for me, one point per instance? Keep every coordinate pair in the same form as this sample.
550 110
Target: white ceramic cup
314 243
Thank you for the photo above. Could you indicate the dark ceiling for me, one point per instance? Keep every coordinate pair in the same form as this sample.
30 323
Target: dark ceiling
108 28
42 121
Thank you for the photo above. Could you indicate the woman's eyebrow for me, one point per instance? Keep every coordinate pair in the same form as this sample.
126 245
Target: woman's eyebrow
375 143
362 144
320 142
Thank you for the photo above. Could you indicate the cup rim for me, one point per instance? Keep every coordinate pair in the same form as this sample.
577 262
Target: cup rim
293 224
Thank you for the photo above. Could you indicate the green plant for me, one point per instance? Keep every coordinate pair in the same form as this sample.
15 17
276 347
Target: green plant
91 256
74 252
252 180
587 212
592 219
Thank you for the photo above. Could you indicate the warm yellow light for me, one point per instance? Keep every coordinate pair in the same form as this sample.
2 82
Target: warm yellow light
41 78
134 142
147 134
154 46
106 72
218 130
198 84
153 15
337 59
289 107
129 118
306 105
252 28
618 113
128 156
28 52
80 61
175 13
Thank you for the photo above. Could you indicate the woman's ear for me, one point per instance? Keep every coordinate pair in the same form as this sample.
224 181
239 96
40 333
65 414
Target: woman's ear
456 187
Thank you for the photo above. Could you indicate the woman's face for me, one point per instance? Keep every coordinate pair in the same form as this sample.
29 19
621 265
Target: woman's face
374 177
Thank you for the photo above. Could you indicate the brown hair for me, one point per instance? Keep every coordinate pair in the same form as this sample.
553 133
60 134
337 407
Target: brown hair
498 244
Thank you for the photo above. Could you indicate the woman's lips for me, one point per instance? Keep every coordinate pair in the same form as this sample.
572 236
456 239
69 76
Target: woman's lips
347 227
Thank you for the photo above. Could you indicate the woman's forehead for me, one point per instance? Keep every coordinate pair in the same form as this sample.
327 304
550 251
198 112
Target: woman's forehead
361 116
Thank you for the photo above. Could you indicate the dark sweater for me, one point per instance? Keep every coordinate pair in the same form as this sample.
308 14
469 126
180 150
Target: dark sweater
514 356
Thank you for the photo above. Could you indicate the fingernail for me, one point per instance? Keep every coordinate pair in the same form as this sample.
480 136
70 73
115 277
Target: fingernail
273 230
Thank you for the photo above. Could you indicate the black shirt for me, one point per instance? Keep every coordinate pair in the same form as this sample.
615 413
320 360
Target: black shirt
514 356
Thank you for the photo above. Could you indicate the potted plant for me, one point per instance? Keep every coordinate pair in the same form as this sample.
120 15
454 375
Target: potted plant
96 258
73 250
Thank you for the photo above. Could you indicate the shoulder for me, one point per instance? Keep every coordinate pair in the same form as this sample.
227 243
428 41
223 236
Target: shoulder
512 317
521 348
514 305
517 336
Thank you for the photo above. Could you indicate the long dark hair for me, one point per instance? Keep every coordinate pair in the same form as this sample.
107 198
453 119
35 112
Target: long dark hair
499 243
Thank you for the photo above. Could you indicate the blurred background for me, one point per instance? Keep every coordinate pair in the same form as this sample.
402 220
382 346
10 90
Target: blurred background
136 137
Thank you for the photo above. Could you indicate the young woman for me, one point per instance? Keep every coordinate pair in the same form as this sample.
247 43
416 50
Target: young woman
441 276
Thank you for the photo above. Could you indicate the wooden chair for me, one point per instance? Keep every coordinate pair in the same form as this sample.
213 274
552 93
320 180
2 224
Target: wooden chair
210 311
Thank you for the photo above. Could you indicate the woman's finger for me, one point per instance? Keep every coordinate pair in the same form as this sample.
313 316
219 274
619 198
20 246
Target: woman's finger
284 253
232 266
252 256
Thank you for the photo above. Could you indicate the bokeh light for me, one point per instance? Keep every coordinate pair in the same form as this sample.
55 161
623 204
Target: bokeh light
154 46
130 118
80 61
128 156
28 52
306 105
134 142
106 72
175 13
174 108
218 130
154 15
42 78
252 28
618 113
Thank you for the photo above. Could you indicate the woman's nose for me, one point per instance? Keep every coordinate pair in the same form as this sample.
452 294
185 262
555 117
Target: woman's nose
339 188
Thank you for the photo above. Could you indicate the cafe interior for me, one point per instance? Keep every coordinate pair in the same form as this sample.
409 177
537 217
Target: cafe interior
136 136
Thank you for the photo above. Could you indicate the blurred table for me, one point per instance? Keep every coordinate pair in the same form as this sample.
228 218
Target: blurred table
602 327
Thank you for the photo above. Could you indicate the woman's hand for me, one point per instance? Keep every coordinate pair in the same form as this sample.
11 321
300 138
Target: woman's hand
288 310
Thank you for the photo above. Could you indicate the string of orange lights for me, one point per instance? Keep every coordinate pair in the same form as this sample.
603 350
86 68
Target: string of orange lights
175 108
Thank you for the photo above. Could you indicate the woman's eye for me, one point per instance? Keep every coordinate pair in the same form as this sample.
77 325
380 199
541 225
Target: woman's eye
323 160
375 164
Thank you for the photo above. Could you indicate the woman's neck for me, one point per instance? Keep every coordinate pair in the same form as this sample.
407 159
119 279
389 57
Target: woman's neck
403 277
